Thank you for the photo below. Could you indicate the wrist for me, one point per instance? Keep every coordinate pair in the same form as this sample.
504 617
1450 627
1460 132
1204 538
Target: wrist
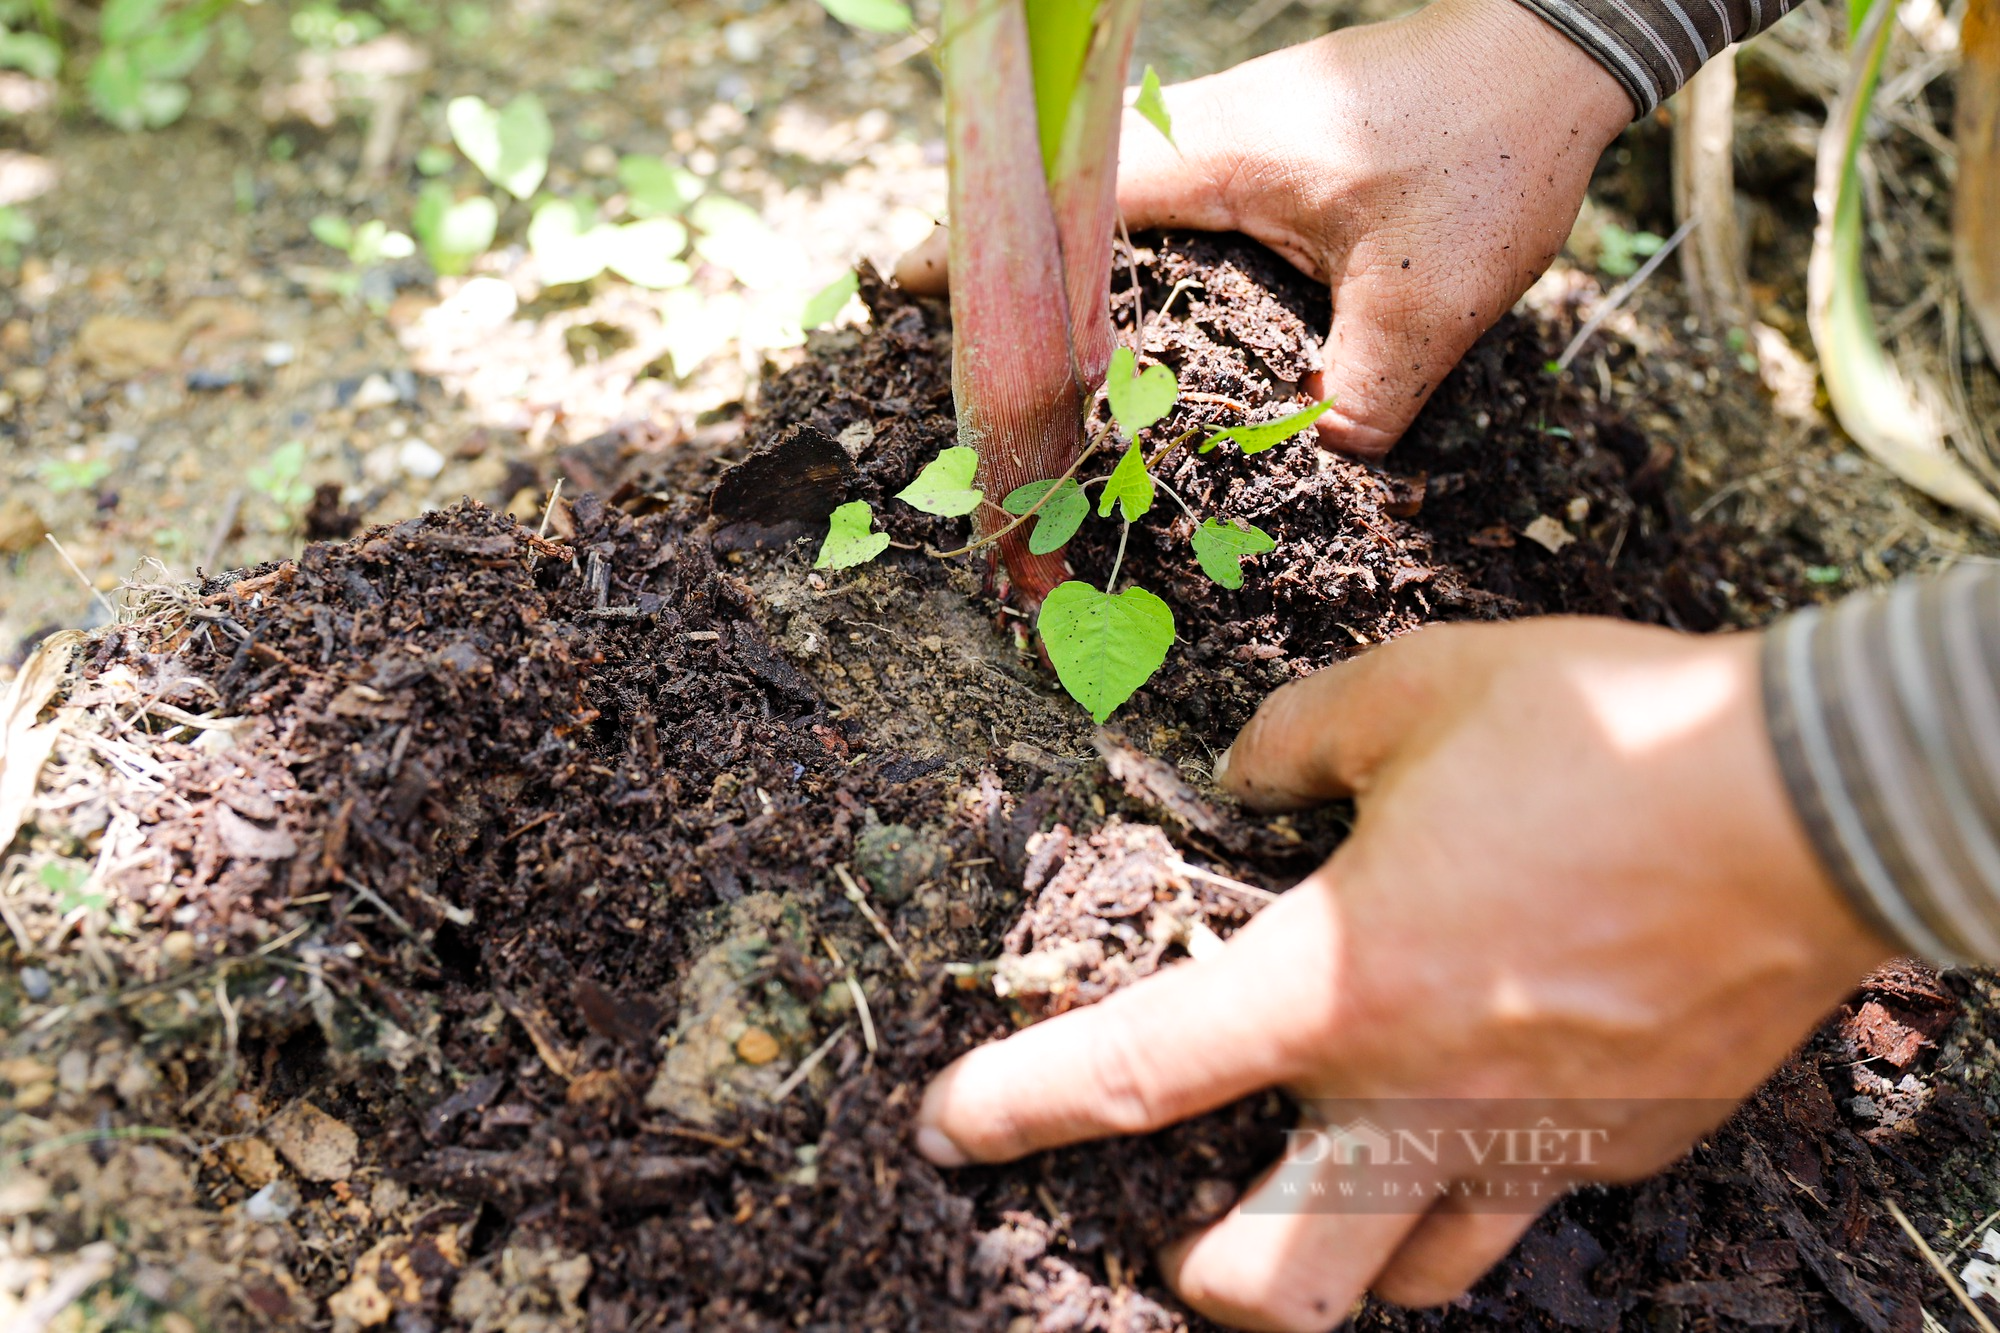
1547 70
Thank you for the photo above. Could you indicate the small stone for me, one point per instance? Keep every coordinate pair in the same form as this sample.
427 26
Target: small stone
34 1096
419 460
318 1146
22 1195
756 1047
178 947
600 160
36 983
279 354
28 383
374 391
273 1203
252 1161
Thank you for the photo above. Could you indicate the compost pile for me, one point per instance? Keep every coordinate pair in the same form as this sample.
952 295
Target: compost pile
598 902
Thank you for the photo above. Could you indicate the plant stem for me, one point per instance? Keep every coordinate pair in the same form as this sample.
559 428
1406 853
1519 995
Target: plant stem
1020 404
1033 509
1175 496
1124 531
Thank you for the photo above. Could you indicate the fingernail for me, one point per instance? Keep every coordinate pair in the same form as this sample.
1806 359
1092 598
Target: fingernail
1222 767
933 1144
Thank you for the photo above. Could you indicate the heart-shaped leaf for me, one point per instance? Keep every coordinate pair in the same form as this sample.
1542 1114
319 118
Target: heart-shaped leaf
452 231
567 247
647 254
848 540
1152 106
653 189
830 301
510 146
1104 647
890 16
1137 401
1058 518
1256 439
945 486
1220 548
1130 486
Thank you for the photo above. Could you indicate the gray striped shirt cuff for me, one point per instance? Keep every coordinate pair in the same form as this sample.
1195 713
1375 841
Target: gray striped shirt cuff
1652 47
1885 713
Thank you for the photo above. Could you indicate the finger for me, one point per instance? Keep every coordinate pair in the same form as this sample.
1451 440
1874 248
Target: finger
1184 1041
1270 1266
1448 1251
926 270
1324 736
1397 332
1172 184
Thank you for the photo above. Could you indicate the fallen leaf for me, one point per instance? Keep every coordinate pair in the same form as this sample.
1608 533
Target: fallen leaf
1548 533
20 526
24 746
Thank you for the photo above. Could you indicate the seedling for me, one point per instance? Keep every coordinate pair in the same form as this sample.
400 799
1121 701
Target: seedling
510 146
15 231
138 80
1030 297
452 231
280 478
64 476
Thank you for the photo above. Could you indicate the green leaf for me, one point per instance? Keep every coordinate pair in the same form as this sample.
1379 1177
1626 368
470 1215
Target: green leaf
830 300
30 52
510 147
945 486
653 189
734 236
433 160
566 246
1104 647
647 254
1055 522
1153 106
122 22
1129 485
1220 547
1137 401
1059 34
848 539
452 231
280 476
1256 439
333 231
891 16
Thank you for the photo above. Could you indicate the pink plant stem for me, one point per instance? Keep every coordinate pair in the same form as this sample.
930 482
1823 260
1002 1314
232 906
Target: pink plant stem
1084 187
1020 404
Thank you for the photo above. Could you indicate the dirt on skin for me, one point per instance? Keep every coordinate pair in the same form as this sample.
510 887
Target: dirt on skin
586 913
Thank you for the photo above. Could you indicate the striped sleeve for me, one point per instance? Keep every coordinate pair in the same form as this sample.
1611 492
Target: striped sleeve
1885 714
1652 47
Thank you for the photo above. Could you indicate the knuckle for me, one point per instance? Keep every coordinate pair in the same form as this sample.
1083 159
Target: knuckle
1126 1091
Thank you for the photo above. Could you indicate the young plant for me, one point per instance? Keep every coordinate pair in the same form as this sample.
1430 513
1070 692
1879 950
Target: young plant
365 246
138 80
452 231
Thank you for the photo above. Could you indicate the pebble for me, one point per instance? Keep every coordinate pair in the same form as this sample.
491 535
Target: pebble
419 460
36 983
374 391
274 1203
756 1047
279 354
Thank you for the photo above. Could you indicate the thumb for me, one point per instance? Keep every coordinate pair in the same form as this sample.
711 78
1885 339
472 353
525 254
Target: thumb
1397 332
926 270
1327 735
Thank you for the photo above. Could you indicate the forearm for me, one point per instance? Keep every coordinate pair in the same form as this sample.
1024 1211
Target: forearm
1652 47
1885 714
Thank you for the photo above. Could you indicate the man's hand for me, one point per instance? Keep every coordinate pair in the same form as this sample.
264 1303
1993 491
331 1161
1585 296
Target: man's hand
1575 873
1427 169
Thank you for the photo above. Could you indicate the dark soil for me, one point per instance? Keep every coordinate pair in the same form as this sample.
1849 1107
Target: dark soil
567 822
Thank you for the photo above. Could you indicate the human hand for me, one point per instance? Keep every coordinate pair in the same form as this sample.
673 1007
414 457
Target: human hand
1427 169
1574 874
